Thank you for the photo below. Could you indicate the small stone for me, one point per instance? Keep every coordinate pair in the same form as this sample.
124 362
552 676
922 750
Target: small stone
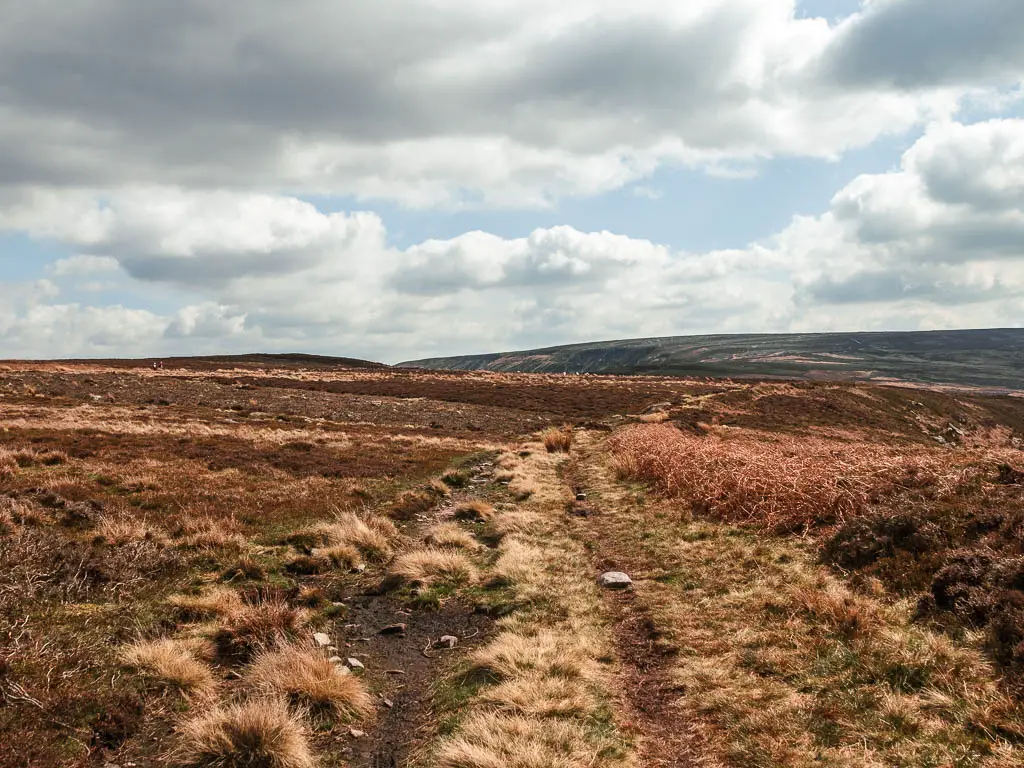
336 660
322 639
394 629
355 665
615 580
355 733
447 641
388 703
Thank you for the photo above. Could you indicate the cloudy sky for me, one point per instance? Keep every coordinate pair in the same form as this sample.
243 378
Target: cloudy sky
408 178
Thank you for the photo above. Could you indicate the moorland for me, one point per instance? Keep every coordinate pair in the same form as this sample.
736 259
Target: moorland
294 562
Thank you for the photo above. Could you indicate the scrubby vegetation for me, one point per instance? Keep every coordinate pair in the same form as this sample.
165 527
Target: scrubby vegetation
288 567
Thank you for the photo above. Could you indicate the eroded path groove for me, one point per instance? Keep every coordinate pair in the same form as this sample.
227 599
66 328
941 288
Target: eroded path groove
666 738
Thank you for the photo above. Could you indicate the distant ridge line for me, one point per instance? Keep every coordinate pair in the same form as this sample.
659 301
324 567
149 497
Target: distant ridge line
987 358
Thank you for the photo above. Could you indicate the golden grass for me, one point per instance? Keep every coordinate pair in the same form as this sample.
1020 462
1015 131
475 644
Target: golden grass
786 482
208 533
6 522
451 536
522 488
520 564
548 652
440 487
424 567
545 701
173 662
341 556
412 503
258 627
495 740
540 694
217 602
29 457
121 531
261 733
782 664
307 679
557 440
371 535
475 511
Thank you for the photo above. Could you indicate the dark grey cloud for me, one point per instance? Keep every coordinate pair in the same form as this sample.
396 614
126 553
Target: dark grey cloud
914 44
423 100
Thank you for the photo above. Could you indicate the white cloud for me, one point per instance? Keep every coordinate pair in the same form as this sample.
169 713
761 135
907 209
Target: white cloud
922 246
458 102
83 265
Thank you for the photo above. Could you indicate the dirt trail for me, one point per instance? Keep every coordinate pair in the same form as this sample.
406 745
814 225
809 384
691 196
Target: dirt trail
665 737
402 667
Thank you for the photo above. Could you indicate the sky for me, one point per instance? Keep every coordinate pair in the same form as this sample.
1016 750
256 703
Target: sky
413 178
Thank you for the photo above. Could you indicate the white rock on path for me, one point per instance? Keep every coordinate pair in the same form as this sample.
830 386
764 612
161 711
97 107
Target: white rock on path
615 580
322 639
355 665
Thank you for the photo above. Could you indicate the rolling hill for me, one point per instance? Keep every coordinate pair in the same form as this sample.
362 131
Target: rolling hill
977 358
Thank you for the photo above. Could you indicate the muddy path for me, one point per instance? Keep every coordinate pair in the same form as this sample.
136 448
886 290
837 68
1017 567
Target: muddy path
398 643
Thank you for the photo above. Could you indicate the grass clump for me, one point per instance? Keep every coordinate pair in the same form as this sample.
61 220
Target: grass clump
121 531
455 478
219 602
474 512
308 680
557 440
261 733
427 567
173 662
370 536
412 503
490 740
257 627
451 536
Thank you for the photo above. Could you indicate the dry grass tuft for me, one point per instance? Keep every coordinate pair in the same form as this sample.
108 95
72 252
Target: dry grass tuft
522 488
412 503
440 488
519 564
6 520
341 556
371 535
120 532
548 652
424 567
173 662
258 627
207 533
495 740
307 679
245 567
455 478
474 511
451 536
540 695
8 466
257 734
28 457
557 440
219 602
